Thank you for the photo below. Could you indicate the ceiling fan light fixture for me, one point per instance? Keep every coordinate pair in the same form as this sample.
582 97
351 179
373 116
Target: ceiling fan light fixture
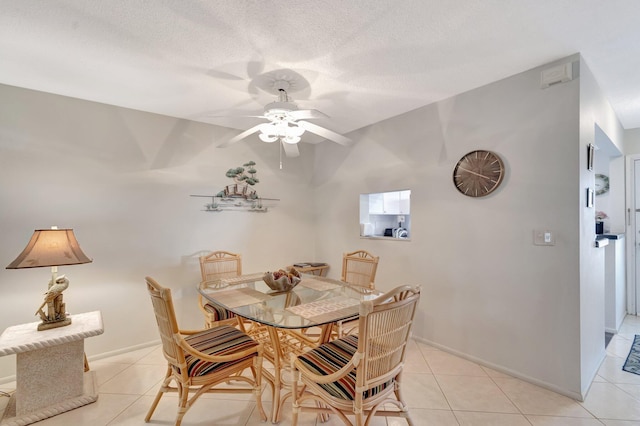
287 123
267 138
291 139
295 131
270 132
268 129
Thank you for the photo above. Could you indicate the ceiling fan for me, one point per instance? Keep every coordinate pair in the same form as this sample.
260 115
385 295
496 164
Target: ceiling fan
286 124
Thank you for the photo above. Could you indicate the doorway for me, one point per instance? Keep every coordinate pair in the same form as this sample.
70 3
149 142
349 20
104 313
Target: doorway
633 233
609 178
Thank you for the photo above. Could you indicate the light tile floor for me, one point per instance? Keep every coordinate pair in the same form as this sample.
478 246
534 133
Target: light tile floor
441 389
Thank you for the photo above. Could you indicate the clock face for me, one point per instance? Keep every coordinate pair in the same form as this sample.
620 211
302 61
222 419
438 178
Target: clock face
478 173
602 184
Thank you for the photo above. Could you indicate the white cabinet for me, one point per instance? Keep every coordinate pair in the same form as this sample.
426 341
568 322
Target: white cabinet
376 203
405 202
391 202
395 202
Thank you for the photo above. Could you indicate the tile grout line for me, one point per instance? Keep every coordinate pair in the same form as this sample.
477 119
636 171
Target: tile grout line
123 410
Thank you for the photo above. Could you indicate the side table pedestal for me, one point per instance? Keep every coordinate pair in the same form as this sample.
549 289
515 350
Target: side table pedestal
50 377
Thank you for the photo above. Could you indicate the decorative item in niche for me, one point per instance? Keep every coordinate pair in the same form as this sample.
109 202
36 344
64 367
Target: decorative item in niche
239 195
602 184
600 217
590 197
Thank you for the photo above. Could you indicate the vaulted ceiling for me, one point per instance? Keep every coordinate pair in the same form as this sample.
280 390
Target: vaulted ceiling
358 61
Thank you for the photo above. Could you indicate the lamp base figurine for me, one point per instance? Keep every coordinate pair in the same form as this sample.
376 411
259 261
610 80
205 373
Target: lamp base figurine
56 315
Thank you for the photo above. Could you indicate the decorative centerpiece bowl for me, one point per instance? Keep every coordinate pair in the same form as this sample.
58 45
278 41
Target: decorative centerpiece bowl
282 280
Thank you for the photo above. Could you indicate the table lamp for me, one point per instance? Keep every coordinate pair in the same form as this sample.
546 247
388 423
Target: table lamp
52 247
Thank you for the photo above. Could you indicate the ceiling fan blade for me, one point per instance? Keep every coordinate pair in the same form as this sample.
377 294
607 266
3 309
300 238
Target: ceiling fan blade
240 136
307 114
231 117
325 133
290 149
223 75
255 68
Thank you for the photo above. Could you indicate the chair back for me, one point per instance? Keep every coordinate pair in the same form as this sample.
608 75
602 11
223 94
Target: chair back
359 268
167 323
220 264
385 326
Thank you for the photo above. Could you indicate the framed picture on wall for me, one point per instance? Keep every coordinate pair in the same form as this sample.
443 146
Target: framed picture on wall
590 151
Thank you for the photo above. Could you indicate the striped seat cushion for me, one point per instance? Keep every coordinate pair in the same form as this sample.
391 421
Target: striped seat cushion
223 340
330 357
219 313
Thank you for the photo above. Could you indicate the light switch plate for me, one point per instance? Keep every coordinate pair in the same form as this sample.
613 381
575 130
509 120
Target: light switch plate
544 237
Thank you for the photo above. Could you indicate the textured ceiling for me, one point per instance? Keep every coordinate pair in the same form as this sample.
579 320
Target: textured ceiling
358 61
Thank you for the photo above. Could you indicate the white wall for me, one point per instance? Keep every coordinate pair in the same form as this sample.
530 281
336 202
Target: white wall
595 112
122 179
488 293
632 141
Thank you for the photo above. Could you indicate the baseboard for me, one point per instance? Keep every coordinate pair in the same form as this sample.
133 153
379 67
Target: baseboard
123 350
620 321
7 379
573 395
586 389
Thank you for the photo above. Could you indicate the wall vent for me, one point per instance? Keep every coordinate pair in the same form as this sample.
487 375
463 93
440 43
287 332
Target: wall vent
558 74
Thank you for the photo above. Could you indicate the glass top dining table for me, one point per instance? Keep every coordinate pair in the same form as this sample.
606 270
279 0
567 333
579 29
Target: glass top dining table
315 301
282 319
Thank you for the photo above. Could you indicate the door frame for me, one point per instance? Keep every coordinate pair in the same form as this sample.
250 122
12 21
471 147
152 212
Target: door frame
632 230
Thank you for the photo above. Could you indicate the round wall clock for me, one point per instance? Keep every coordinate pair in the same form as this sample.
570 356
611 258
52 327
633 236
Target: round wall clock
602 184
478 173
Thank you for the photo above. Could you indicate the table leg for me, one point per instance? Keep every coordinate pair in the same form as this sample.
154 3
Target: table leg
277 374
325 333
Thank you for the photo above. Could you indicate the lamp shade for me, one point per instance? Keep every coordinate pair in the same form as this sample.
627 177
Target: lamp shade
50 247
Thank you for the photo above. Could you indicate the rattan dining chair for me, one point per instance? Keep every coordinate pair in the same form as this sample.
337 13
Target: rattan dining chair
360 374
358 269
199 360
213 267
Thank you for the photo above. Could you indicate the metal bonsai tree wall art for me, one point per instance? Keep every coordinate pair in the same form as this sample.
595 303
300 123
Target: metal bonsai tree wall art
241 194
